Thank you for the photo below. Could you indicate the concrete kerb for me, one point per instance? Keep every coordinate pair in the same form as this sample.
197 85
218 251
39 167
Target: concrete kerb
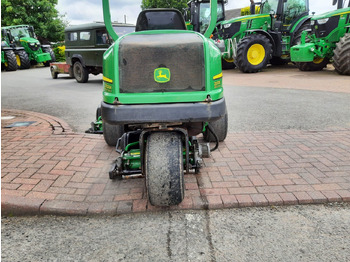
249 169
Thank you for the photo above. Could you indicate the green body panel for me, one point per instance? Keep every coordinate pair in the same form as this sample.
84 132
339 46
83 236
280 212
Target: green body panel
213 87
320 43
26 39
3 58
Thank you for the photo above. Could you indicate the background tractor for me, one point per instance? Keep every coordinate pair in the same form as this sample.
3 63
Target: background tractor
327 40
31 51
252 41
8 57
155 103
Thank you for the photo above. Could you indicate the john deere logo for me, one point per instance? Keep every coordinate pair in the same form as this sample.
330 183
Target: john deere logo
162 75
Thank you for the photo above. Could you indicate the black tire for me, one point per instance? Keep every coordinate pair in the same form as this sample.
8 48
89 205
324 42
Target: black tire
52 54
253 53
53 73
80 72
227 65
23 61
341 58
11 64
220 128
317 65
112 133
164 169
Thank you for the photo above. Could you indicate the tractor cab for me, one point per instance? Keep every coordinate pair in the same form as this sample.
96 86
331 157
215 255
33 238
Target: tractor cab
285 13
24 31
201 14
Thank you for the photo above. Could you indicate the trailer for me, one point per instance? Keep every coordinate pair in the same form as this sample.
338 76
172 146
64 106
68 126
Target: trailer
60 68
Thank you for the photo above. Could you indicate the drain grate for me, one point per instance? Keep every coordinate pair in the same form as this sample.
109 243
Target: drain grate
19 124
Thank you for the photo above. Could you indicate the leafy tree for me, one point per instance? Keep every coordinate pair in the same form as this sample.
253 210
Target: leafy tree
41 14
177 4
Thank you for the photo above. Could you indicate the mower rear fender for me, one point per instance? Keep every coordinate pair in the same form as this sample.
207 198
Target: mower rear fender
163 113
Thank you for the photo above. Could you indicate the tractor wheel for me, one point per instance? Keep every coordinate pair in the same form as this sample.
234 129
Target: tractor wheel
23 61
11 64
227 64
220 128
112 133
80 72
52 54
164 169
317 65
341 58
253 53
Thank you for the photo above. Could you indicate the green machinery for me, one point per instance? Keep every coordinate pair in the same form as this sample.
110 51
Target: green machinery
162 86
327 40
32 52
8 57
251 42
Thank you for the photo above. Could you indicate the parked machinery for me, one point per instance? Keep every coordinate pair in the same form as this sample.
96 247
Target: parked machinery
27 48
327 40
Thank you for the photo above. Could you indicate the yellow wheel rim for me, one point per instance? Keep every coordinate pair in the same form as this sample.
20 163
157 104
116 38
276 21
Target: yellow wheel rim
318 60
18 59
256 54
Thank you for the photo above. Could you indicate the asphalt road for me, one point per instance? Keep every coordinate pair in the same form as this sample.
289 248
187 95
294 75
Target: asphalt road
288 234
249 107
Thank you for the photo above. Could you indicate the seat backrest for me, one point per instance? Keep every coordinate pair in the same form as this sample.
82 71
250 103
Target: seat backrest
160 19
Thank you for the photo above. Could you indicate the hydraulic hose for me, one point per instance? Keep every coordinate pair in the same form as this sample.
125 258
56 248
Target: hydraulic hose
211 130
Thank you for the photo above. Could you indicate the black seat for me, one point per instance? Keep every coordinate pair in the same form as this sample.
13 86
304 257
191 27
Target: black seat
160 19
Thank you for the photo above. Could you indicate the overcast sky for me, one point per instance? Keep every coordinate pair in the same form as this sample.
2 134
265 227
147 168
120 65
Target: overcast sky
85 11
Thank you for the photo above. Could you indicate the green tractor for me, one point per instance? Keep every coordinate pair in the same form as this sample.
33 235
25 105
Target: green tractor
327 40
8 57
162 85
23 36
251 42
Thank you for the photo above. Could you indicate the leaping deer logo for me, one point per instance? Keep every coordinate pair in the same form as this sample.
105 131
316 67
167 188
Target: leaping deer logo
162 75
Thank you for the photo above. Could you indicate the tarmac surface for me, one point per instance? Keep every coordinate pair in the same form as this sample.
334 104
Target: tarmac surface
48 169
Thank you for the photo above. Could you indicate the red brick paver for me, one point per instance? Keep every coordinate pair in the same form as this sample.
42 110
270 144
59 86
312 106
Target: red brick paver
48 169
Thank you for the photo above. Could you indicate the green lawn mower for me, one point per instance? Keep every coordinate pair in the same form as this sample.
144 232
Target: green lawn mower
162 87
327 40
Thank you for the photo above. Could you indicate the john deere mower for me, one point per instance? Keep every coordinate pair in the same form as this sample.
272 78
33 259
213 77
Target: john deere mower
162 86
327 40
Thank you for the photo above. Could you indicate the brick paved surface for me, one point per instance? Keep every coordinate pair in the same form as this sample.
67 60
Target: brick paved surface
48 169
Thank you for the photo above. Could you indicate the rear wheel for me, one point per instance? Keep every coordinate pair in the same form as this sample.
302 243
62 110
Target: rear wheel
53 73
253 53
341 58
23 61
112 133
11 63
220 128
227 64
164 169
317 65
80 72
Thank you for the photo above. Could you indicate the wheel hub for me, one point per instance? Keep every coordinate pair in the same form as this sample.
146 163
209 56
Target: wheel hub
256 54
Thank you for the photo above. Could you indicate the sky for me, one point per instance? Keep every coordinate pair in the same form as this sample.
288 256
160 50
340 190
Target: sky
85 11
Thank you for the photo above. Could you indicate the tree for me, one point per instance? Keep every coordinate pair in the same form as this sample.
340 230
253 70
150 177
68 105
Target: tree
177 4
41 14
